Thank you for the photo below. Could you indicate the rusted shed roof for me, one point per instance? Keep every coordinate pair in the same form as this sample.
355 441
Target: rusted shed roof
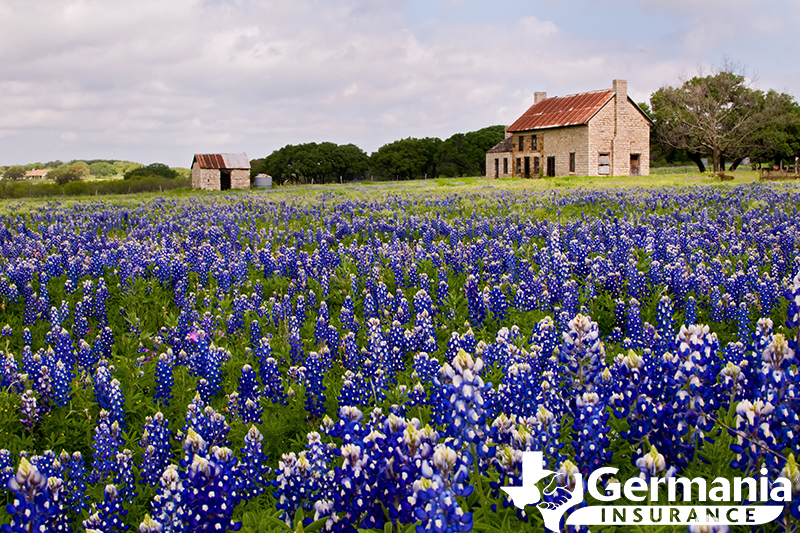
225 161
502 146
555 112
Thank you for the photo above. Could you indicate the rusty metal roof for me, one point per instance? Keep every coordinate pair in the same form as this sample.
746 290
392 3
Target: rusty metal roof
226 161
570 110
502 146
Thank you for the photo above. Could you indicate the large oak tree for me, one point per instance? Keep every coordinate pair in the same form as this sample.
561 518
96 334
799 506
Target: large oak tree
721 116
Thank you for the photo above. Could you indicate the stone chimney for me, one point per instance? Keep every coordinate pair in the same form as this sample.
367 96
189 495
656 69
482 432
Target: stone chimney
620 146
538 96
620 88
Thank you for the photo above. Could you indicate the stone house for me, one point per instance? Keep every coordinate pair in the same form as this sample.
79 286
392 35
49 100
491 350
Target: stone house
220 172
598 133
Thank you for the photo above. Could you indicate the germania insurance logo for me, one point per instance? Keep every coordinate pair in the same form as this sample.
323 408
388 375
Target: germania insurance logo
721 493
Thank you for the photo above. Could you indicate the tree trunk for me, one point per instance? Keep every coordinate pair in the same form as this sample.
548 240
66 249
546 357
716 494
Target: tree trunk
716 156
694 156
736 163
722 163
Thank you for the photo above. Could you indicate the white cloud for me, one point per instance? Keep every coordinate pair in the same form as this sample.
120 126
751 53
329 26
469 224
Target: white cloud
152 80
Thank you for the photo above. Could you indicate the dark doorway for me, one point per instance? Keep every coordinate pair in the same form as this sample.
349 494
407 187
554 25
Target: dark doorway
496 168
551 167
536 168
527 167
634 164
224 180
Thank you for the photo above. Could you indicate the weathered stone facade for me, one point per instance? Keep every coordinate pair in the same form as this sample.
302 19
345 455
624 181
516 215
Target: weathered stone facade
498 160
609 135
214 172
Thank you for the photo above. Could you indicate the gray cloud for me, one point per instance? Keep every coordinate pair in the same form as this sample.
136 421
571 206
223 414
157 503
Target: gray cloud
152 80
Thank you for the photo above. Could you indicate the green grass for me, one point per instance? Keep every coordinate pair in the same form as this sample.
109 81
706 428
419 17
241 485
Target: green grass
432 186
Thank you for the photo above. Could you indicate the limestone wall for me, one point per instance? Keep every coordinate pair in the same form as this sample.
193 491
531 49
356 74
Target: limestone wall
601 138
556 142
500 157
240 179
619 135
205 178
208 178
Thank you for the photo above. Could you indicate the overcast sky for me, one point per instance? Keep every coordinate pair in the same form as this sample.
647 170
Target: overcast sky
160 80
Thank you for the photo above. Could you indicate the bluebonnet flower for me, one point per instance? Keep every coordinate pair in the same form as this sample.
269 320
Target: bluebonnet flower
249 396
116 404
107 440
708 528
582 354
793 311
123 476
75 470
792 473
653 465
62 383
351 357
207 422
37 504
475 302
48 464
272 381
252 472
102 384
690 311
208 492
591 430
167 505
426 368
30 410
633 324
6 467
108 515
164 377
27 337
354 391
155 442
295 484
315 390
149 525
444 479
462 392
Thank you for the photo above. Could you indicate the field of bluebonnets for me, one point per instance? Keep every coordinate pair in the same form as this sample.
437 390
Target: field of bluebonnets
379 358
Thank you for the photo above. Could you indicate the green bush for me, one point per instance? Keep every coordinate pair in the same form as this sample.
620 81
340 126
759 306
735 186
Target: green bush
77 188
24 189
152 170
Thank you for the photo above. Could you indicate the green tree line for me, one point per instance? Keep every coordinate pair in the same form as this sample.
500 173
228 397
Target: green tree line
463 154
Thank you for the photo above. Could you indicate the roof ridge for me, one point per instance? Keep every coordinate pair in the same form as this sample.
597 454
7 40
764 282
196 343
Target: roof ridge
584 92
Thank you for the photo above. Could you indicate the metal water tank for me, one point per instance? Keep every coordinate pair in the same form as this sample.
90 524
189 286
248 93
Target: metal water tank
263 181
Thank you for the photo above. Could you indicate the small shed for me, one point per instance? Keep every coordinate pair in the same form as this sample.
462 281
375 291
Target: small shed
220 172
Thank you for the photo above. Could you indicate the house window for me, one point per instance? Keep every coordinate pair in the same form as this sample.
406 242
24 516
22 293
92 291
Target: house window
505 165
519 166
521 143
533 142
536 168
572 162
604 164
